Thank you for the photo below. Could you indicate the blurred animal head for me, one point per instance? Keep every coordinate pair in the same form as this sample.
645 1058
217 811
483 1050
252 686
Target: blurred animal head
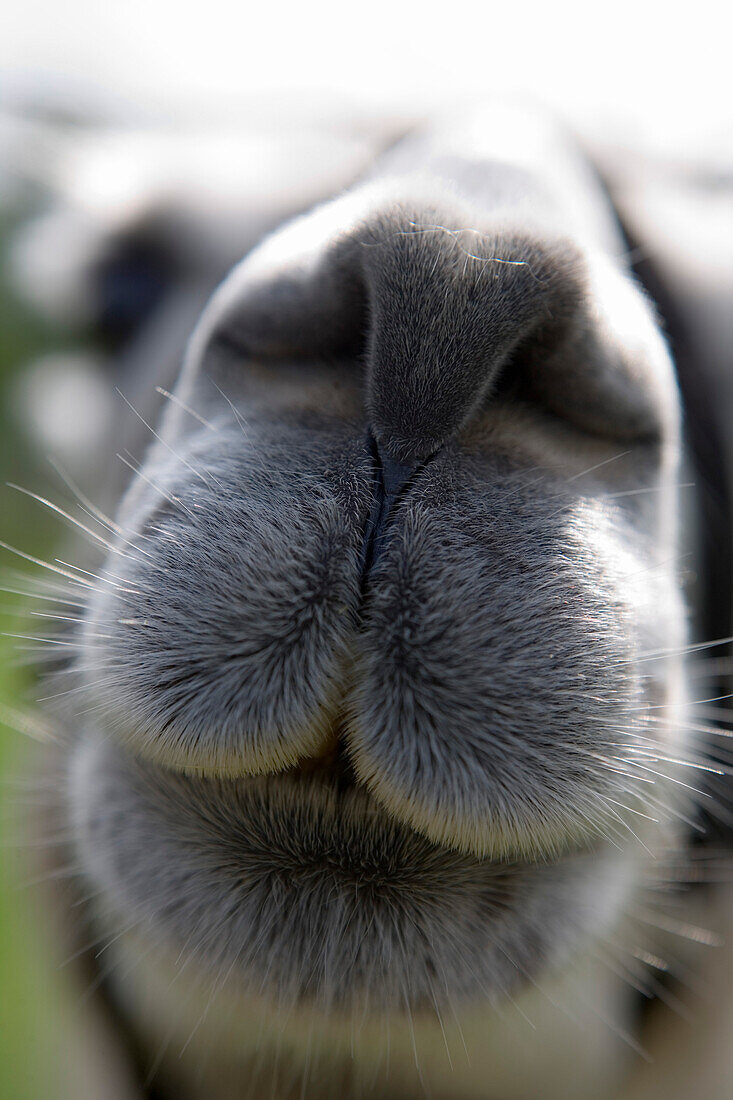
384 650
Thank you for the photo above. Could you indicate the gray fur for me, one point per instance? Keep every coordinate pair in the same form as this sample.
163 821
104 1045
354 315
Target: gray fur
475 707
314 892
266 550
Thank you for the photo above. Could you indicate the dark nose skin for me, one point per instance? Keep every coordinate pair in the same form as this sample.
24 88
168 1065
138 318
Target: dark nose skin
390 479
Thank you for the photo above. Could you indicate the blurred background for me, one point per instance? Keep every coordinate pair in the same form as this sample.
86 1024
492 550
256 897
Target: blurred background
144 147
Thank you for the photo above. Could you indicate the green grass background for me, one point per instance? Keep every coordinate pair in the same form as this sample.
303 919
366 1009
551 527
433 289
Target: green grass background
37 1007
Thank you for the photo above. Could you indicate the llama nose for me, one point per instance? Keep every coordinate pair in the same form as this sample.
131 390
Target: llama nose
389 481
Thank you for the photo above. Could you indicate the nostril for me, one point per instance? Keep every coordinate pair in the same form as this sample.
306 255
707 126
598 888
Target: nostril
390 479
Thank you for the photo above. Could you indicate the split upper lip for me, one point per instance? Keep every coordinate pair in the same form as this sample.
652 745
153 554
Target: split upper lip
390 481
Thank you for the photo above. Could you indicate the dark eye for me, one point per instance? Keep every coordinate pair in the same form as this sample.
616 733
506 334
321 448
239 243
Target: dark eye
129 282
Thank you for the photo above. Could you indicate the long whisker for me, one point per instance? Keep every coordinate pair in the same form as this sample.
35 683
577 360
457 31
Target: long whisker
193 470
84 501
186 408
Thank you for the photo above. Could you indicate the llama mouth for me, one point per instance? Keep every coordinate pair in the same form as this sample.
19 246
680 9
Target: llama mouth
332 765
303 887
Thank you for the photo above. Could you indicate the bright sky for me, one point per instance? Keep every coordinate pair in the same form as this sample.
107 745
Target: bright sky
663 67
